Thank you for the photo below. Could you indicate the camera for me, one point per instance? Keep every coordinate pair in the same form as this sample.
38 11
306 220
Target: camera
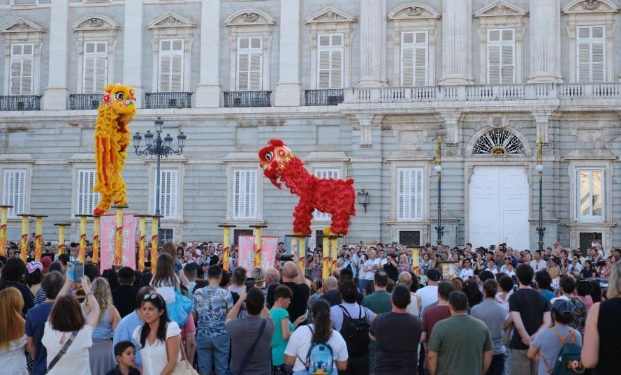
285 258
601 263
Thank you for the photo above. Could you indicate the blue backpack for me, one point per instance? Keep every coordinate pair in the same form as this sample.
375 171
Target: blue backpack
569 361
319 359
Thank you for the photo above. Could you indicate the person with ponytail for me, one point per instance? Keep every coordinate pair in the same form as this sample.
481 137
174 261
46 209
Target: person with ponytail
319 331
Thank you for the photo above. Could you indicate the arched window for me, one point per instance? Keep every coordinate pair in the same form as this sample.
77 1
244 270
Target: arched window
498 142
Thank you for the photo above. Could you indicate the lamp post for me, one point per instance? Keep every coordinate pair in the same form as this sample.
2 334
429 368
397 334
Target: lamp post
539 168
158 147
438 170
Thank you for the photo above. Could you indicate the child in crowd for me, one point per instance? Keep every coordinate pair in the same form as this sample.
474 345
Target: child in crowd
125 353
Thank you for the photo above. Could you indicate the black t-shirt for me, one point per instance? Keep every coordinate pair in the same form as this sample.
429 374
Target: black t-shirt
609 328
124 298
391 271
531 305
299 301
213 260
333 297
398 336
24 290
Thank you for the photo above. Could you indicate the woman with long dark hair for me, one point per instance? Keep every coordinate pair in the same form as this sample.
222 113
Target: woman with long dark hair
12 275
319 331
159 337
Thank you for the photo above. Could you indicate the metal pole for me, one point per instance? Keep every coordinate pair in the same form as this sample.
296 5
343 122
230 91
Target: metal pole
541 228
158 146
438 168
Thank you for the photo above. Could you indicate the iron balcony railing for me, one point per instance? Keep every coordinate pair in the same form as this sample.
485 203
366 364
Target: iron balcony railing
323 97
159 100
234 99
20 103
85 101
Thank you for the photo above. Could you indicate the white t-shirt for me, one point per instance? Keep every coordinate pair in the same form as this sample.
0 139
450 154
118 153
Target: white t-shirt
538 266
465 274
368 275
300 342
154 357
428 295
76 359
167 290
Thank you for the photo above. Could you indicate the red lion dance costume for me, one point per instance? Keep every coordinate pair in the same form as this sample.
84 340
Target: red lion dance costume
111 140
335 197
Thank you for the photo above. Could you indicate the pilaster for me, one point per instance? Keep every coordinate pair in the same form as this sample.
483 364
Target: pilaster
456 42
451 123
545 47
208 90
288 88
542 119
366 122
56 93
373 43
132 48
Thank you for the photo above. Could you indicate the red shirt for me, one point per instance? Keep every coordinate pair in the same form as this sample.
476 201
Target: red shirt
431 316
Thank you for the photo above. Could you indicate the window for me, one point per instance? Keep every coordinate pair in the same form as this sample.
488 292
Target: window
591 53
168 194
414 58
86 199
249 63
410 194
245 194
589 194
95 67
171 65
330 61
14 191
22 64
500 56
325 173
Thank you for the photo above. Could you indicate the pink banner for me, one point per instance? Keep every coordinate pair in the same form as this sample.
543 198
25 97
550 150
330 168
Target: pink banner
108 240
269 246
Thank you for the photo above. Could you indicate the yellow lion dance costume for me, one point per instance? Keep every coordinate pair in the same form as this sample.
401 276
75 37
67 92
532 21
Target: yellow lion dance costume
111 140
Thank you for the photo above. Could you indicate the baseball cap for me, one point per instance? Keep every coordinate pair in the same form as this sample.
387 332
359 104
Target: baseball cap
563 306
434 275
45 261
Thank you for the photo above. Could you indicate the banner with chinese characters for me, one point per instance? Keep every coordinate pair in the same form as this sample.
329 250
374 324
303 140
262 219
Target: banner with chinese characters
269 247
108 239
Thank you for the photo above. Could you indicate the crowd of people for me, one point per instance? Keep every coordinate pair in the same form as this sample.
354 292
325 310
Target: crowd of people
500 311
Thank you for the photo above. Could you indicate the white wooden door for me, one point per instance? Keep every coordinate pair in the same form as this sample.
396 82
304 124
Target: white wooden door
498 207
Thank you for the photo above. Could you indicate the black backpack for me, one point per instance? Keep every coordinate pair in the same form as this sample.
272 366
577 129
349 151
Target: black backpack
356 332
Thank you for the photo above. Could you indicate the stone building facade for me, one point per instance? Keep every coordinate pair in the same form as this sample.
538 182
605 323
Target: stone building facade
357 88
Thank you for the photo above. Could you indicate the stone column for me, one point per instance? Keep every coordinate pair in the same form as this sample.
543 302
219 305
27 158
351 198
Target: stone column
209 90
132 48
456 42
545 41
288 88
56 93
372 43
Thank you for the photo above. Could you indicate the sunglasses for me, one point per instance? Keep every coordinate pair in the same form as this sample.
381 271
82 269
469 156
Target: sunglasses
152 296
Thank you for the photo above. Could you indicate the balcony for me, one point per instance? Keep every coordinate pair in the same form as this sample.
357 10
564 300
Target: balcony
484 92
85 101
20 103
161 100
323 97
235 99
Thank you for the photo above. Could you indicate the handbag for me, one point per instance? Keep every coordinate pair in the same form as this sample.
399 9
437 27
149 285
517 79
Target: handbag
249 354
183 367
62 351
178 310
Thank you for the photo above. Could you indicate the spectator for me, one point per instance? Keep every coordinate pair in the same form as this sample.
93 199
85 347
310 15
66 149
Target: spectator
12 276
342 316
603 328
159 337
397 334
251 335
211 304
411 281
584 289
283 328
100 354
459 342
493 315
368 267
125 355
239 281
12 333
506 290
538 263
474 295
124 296
379 302
436 313
429 294
530 314
567 287
544 283
293 277
125 329
34 276
547 345
37 316
331 291
319 331
258 274
66 321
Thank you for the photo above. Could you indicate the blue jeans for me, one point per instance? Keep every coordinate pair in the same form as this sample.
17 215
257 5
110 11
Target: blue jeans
213 351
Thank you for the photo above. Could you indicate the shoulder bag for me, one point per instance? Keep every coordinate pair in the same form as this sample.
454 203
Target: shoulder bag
62 351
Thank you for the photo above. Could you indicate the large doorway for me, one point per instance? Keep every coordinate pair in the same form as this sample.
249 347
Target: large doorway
498 210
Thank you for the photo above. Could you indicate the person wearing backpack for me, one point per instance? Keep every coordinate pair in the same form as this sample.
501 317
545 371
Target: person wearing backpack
317 348
558 348
353 322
